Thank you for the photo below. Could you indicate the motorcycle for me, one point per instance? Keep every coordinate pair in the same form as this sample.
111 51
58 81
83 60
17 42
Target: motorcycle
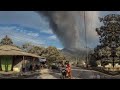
63 74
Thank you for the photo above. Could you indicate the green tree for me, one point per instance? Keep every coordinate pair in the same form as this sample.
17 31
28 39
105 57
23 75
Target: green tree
92 60
27 46
61 57
37 50
52 54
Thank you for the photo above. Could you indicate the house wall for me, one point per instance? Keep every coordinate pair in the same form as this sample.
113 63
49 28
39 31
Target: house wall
19 63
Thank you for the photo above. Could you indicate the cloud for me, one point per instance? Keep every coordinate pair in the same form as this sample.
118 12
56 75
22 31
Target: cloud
92 22
33 34
60 48
20 37
27 19
25 39
53 37
41 24
47 31
12 23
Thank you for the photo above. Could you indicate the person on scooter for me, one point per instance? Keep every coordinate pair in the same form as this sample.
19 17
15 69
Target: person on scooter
63 71
68 69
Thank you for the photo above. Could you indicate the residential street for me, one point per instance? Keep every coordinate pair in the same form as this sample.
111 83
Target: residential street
77 74
56 75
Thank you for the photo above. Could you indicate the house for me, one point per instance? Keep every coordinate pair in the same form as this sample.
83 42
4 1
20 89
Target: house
13 58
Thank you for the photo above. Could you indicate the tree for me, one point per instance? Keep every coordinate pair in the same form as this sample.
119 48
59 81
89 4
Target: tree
51 53
109 38
61 57
37 50
6 41
27 46
92 61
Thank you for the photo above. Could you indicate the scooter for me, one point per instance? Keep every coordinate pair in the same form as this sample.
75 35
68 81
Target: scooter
63 74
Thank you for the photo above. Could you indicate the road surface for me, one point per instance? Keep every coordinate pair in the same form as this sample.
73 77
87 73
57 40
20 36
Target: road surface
56 75
77 73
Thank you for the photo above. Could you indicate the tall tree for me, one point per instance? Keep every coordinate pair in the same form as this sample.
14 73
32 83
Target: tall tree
52 53
109 34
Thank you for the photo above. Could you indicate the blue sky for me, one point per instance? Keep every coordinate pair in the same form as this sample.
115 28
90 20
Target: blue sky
27 26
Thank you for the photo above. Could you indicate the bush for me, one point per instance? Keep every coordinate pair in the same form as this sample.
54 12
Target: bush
93 63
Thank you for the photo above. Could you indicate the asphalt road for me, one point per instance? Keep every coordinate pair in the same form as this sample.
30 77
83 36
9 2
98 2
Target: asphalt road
56 75
77 73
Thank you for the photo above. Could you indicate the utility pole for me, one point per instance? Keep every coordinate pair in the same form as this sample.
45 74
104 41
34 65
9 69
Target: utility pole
86 40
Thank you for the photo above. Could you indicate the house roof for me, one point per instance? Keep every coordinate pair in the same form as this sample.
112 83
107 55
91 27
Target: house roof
13 50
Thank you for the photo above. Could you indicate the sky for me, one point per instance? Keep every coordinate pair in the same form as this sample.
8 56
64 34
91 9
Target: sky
27 27
92 22
31 27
